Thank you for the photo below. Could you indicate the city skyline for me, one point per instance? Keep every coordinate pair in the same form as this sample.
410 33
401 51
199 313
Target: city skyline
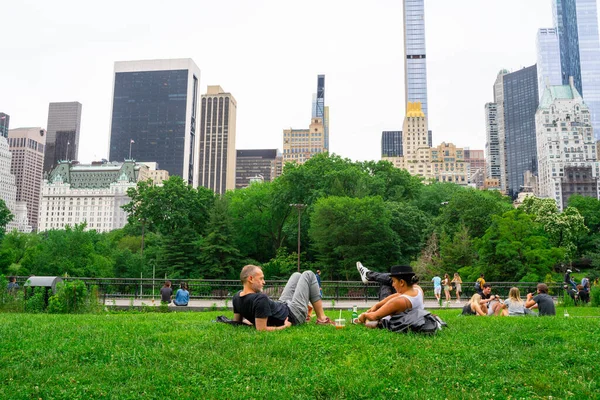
458 35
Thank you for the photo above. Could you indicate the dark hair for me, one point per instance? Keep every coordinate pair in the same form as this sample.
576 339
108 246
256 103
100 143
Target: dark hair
481 276
486 285
167 283
542 287
12 279
183 285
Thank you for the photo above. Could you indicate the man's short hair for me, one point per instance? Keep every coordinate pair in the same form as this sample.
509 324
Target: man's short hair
487 285
542 287
247 271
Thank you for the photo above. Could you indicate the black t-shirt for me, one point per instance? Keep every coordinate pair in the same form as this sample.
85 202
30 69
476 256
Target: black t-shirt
545 304
485 296
166 293
259 305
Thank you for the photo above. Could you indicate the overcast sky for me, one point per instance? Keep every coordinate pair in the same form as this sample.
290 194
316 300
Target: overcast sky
268 54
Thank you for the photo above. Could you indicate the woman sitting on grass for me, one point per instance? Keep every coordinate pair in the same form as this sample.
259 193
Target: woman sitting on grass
474 306
514 306
408 296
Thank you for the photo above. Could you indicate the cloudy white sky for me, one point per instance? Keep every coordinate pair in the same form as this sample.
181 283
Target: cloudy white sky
268 53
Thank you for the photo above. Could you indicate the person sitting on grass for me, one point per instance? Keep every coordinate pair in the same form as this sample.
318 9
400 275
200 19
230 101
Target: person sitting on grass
514 306
291 309
542 301
408 295
474 306
182 297
492 302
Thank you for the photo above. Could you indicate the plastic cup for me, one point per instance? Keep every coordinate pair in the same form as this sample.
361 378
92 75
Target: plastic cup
340 323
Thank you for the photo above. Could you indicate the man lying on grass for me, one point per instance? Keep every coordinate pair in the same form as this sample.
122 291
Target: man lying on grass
291 309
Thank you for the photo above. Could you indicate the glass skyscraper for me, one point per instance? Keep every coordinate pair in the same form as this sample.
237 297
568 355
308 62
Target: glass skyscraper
154 115
319 110
62 140
520 93
548 59
391 144
577 25
415 67
4 124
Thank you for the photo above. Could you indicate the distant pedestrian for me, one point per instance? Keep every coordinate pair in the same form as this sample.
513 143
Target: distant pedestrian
479 284
446 283
437 288
585 282
12 286
457 286
182 297
166 293
318 275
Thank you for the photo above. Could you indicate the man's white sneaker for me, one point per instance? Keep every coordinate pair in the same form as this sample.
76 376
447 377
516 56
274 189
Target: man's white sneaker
362 271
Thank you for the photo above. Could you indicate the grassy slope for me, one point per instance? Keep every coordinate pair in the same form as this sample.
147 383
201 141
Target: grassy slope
185 355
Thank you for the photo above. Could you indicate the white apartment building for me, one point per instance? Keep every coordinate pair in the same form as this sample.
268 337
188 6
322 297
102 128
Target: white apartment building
93 194
8 191
566 148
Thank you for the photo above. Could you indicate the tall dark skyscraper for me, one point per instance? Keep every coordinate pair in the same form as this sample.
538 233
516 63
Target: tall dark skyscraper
577 24
4 124
155 115
319 109
520 102
391 144
62 140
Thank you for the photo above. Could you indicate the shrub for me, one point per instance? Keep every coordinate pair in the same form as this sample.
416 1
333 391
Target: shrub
595 296
71 297
35 300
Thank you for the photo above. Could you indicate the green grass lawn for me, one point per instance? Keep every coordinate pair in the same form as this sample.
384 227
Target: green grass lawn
186 355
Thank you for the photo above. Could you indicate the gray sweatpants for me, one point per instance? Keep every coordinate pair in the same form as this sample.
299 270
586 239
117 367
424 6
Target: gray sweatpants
299 290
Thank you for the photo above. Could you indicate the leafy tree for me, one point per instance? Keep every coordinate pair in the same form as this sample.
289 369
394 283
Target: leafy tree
563 229
391 183
259 213
13 249
457 252
433 197
5 217
218 258
515 246
345 230
472 209
412 227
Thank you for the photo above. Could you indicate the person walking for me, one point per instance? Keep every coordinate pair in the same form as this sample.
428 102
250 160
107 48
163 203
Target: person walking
457 286
437 288
446 283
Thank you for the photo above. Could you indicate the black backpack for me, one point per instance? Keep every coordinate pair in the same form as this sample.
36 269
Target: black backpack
414 320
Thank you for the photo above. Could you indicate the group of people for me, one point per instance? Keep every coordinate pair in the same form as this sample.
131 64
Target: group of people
448 285
485 303
579 293
182 296
398 292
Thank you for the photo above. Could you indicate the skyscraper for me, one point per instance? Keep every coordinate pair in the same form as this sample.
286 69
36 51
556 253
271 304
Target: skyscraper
319 109
548 59
4 124
415 67
391 144
492 144
154 112
577 24
27 147
216 166
517 135
565 145
299 145
62 141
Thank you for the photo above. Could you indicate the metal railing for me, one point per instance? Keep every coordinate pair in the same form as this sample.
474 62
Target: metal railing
148 288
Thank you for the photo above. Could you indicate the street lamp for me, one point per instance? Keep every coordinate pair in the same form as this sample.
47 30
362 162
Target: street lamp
300 207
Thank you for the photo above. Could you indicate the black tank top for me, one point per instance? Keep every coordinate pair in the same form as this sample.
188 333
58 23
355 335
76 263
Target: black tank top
467 310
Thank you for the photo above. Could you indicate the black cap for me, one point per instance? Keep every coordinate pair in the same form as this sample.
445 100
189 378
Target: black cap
402 271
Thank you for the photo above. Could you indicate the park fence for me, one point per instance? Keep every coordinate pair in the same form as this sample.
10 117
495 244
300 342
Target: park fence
218 289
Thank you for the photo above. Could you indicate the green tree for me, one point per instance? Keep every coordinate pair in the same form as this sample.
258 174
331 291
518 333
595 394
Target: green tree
563 229
5 217
457 251
412 227
472 209
515 247
344 230
219 258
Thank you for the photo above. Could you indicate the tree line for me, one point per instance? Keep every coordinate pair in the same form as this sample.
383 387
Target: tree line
368 211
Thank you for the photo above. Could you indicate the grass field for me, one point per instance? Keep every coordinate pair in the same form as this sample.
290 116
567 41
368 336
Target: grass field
186 355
